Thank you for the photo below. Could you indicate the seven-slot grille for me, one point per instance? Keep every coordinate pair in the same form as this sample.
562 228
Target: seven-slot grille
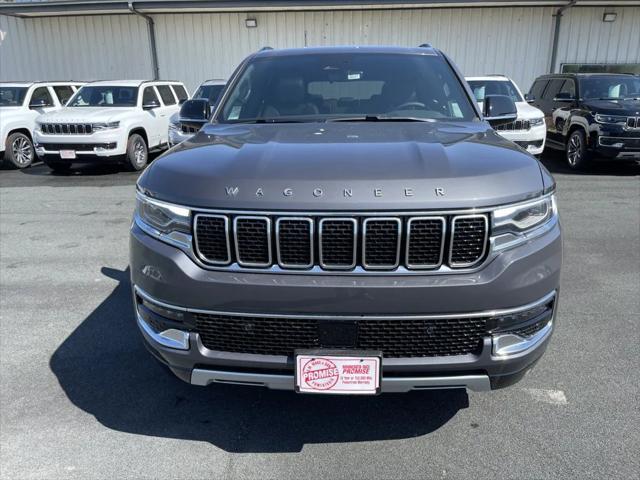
189 129
67 128
395 337
517 125
341 243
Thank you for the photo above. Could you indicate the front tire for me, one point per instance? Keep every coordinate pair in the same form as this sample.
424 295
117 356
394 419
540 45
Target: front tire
19 151
576 150
137 153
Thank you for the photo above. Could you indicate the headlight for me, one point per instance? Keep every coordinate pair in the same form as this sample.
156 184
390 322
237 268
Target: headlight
610 118
512 224
167 222
105 126
534 122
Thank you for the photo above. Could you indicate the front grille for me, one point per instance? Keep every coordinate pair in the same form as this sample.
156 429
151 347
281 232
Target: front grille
468 240
523 144
517 125
253 241
381 244
342 243
189 128
625 142
66 128
395 338
532 329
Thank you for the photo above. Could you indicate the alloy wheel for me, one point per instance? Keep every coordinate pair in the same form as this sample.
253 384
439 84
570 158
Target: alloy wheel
22 151
139 153
574 151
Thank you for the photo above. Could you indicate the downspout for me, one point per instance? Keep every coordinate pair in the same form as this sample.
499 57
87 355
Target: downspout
152 40
556 34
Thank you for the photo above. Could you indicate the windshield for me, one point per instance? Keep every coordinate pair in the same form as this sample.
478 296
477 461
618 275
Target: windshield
351 86
482 88
12 96
105 96
610 87
210 92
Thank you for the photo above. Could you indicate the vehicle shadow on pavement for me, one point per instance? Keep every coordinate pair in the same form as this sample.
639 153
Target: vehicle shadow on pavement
105 370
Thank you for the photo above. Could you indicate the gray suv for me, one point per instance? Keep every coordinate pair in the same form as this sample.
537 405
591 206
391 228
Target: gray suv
347 222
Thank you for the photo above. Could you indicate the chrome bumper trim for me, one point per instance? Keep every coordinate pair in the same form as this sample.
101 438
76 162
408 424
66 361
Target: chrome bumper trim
172 338
477 383
507 345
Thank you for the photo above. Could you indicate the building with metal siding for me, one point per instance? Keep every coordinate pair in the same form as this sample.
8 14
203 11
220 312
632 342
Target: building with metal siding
195 40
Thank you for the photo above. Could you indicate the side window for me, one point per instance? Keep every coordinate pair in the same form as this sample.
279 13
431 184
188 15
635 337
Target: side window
63 92
180 92
166 94
538 88
42 94
149 96
569 88
553 88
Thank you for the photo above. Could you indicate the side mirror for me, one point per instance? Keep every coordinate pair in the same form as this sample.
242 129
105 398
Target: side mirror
529 97
39 103
197 109
499 110
563 97
150 105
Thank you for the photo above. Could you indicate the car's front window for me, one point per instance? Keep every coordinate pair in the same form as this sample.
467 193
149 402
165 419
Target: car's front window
482 88
347 86
105 96
210 92
610 87
12 96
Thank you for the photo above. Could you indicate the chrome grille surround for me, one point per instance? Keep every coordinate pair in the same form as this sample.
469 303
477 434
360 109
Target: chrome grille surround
457 218
252 263
365 237
338 266
284 264
200 254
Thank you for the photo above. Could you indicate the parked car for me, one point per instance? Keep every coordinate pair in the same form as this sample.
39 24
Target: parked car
181 126
20 105
109 121
590 116
528 130
348 222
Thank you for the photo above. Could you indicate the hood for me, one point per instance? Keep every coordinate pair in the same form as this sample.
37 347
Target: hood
344 166
628 107
85 114
527 112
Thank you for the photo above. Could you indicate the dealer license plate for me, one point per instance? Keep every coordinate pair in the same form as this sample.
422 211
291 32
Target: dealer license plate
345 374
67 154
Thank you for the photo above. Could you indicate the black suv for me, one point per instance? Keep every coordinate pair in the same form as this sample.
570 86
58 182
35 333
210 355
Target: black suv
590 113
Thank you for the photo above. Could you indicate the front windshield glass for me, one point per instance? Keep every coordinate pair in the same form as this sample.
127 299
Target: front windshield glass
12 96
348 86
482 88
210 92
105 96
610 87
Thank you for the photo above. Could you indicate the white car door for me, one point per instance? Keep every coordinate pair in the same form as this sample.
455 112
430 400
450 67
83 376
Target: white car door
154 115
169 107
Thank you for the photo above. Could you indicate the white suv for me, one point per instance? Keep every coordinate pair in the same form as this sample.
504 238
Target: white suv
20 104
109 121
529 130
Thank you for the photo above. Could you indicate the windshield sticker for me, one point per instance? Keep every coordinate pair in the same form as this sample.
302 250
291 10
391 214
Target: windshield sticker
235 112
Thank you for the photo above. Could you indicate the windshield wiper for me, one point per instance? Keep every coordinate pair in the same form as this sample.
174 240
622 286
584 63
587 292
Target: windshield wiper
379 118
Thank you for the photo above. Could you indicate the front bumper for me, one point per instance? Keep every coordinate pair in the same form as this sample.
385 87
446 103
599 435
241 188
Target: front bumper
619 147
531 140
177 136
515 279
108 143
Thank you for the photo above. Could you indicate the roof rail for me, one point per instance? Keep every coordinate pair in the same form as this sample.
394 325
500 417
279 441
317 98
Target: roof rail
265 48
425 45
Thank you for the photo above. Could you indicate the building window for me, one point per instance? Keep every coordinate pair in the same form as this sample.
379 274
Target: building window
601 68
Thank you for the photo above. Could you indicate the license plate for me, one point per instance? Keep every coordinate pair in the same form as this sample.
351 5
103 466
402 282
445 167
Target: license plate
67 154
337 373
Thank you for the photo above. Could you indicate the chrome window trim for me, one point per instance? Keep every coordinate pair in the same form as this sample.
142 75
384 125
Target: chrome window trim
364 243
442 243
311 245
484 243
226 233
485 313
235 241
355 244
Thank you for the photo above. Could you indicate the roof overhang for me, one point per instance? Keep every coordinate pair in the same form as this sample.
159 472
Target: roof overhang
109 7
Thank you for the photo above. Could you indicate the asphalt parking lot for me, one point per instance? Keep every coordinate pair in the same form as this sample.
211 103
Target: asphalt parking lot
81 397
